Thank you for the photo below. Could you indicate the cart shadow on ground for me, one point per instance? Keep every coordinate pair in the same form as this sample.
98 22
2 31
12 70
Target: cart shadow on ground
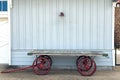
57 74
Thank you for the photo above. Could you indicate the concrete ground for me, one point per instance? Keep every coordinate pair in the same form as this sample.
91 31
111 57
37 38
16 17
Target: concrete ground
62 75
118 56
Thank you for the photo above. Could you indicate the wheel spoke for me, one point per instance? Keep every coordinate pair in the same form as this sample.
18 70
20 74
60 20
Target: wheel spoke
86 66
84 63
41 65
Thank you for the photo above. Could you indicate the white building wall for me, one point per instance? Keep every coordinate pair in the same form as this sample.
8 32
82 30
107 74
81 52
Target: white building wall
36 24
4 41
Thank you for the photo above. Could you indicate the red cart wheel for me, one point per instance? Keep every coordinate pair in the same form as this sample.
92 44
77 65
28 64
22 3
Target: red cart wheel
84 62
41 65
47 57
86 66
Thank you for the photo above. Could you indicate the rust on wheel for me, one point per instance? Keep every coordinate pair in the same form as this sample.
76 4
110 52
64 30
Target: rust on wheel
41 65
84 63
86 66
47 57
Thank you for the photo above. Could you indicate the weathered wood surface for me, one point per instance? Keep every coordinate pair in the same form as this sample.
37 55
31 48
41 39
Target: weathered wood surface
117 26
67 53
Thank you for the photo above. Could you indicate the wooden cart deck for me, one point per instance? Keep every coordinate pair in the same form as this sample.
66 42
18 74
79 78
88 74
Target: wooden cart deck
67 52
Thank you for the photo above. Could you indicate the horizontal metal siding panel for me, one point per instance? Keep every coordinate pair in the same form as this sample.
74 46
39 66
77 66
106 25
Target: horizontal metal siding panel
21 58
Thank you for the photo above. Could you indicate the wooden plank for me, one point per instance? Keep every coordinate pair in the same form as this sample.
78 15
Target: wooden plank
67 53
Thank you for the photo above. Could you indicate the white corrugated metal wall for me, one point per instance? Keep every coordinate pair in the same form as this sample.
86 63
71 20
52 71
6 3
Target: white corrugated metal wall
36 24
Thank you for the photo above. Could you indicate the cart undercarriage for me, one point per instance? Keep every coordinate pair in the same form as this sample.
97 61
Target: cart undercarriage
85 63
